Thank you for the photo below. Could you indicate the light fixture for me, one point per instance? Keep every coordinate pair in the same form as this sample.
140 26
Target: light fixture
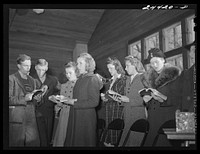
38 11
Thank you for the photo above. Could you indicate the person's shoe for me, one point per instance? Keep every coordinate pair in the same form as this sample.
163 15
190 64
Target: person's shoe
108 144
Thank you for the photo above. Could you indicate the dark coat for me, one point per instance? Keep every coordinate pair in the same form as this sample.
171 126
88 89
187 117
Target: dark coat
22 121
188 78
45 111
46 107
82 117
168 83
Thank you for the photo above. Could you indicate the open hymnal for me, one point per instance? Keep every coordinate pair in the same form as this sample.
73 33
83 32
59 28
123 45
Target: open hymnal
60 99
40 91
114 95
148 91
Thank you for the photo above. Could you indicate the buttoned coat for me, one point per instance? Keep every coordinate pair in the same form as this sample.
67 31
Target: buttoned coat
82 122
133 110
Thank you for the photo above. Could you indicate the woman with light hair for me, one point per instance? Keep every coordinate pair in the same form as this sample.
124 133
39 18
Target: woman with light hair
133 106
82 117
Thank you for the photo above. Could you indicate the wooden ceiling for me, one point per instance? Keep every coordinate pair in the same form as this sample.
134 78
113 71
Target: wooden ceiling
51 35
74 25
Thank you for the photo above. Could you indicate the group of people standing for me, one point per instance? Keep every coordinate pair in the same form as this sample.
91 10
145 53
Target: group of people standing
31 120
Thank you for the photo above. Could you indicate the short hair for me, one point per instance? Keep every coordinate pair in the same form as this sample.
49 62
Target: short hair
72 65
22 57
90 62
136 62
118 66
42 62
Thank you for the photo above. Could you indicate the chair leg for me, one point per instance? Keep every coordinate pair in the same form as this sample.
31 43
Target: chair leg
126 138
119 138
155 140
143 140
103 137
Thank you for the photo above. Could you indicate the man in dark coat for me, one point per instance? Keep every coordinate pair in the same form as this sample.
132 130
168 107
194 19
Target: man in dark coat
45 110
163 77
22 121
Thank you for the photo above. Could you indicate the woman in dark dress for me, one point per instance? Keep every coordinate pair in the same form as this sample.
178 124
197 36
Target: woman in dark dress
82 122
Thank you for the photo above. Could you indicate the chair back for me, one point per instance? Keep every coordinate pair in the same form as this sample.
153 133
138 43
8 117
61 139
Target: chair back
140 125
116 124
168 124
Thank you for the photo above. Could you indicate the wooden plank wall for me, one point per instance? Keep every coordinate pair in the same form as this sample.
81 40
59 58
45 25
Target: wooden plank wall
118 26
50 48
50 44
51 35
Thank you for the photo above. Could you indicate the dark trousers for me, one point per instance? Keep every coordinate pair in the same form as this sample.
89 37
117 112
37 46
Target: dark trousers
23 132
45 127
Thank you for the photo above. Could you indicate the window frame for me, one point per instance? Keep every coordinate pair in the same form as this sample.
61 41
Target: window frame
164 30
145 45
180 50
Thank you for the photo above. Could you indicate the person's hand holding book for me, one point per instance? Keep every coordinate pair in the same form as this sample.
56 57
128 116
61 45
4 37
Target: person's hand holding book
148 93
103 98
62 99
146 98
28 97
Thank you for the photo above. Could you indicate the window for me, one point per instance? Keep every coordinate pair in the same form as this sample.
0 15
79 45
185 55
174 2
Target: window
172 37
190 29
190 38
169 37
176 60
191 61
135 49
151 41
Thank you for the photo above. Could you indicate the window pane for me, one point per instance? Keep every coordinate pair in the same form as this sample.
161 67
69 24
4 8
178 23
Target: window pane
135 49
190 29
191 58
151 41
173 37
176 60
